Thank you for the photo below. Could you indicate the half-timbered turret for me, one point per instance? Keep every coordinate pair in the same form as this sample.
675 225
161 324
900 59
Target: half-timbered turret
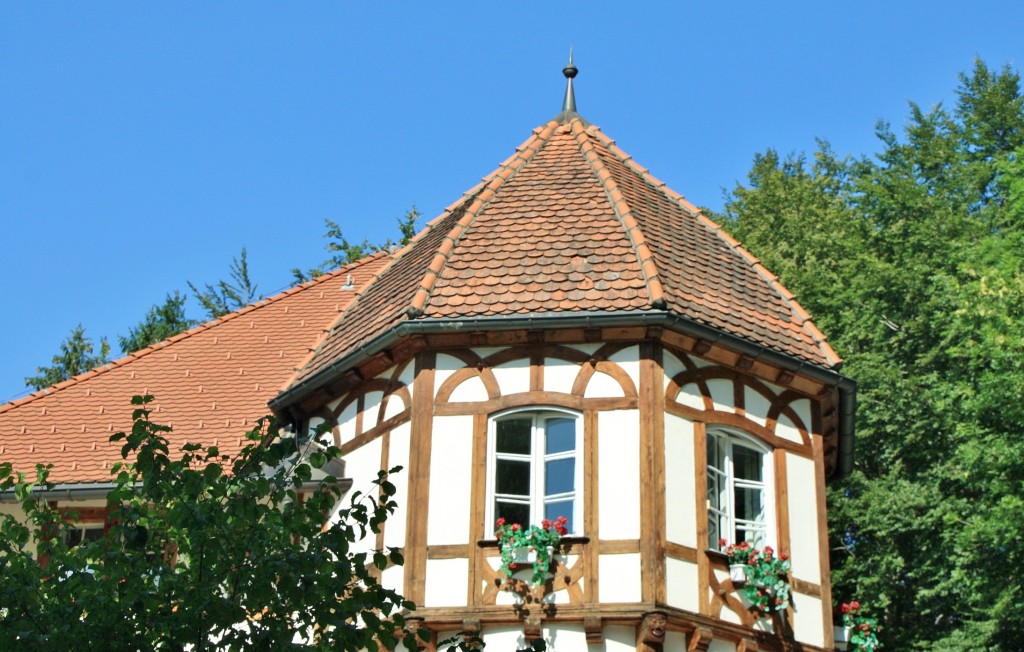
573 339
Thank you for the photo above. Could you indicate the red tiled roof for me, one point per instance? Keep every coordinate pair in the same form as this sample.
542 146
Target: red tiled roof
570 223
210 383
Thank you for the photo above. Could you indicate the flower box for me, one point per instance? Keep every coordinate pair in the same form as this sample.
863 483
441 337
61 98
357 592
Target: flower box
523 558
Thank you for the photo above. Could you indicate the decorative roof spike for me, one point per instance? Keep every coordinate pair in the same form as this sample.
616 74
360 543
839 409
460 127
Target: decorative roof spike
570 71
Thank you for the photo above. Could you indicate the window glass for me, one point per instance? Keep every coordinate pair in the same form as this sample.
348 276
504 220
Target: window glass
561 435
559 476
513 512
515 436
747 463
512 477
561 508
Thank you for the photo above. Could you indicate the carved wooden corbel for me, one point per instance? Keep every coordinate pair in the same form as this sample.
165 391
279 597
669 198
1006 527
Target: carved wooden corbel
652 631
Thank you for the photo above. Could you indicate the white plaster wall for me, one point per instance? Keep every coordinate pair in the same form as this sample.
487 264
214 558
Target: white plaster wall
408 375
681 585
718 645
362 466
446 583
680 505
690 396
618 474
398 455
728 615
565 638
513 377
619 638
785 428
487 351
470 390
808 620
559 375
802 408
674 642
672 366
601 385
619 577
347 423
756 406
507 638
393 578
588 348
444 367
395 406
371 408
629 360
451 457
722 394
803 518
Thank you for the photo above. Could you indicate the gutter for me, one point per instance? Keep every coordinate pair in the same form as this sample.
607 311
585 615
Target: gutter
66 491
283 403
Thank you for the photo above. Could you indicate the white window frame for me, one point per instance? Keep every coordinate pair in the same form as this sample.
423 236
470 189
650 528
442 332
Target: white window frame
728 523
537 459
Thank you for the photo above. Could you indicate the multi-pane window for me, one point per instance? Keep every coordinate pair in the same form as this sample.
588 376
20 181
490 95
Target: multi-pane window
534 468
739 481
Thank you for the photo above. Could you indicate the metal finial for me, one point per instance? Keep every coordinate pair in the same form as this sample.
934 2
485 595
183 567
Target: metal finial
570 71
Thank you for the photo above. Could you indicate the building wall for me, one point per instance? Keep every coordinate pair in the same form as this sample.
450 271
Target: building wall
645 412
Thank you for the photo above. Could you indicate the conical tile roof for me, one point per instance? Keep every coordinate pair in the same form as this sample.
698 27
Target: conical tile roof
571 224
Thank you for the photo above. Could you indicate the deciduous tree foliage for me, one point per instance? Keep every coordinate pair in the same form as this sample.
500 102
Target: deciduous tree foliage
913 263
203 553
161 322
76 356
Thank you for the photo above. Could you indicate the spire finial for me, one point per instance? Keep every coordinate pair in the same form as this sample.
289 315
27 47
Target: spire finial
570 71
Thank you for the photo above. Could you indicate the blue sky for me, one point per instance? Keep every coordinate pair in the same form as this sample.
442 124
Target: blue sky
142 145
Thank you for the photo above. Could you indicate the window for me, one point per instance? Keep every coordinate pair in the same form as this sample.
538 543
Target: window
79 533
739 490
534 469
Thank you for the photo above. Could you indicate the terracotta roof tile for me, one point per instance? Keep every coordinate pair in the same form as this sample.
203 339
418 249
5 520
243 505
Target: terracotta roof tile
210 382
571 223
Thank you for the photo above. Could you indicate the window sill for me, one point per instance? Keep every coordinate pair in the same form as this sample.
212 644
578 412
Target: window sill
568 540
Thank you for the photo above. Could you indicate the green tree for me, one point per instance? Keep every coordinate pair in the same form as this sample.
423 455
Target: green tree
76 357
223 297
342 252
914 263
203 553
161 322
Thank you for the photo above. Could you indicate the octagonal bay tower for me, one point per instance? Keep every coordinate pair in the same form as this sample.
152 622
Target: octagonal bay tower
573 338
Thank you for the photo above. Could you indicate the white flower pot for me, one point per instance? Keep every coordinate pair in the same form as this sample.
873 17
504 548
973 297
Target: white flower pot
738 574
842 636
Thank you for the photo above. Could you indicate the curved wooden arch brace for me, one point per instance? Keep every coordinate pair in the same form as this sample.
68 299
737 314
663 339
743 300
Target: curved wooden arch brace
618 374
556 351
733 420
402 392
462 375
382 385
535 399
682 379
699 376
781 406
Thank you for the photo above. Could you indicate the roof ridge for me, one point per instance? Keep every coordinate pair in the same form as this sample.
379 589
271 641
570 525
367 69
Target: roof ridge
490 186
652 279
192 332
804 319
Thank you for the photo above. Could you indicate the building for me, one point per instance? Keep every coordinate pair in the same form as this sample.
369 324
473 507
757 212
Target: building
570 338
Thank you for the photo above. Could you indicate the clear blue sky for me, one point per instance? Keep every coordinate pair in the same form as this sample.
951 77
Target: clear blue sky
143 144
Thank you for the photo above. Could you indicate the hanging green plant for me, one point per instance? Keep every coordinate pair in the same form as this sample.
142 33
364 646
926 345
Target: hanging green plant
535 544
766 576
